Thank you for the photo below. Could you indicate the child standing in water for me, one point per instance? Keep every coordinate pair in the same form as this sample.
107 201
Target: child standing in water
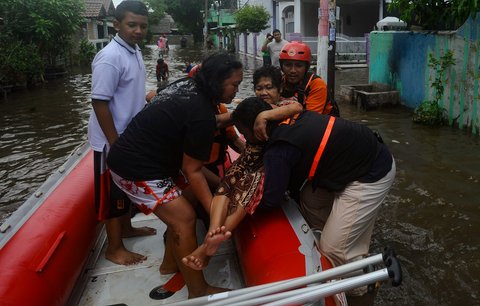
162 70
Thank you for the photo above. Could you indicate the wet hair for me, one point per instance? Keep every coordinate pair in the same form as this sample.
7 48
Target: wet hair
132 6
246 112
272 72
214 70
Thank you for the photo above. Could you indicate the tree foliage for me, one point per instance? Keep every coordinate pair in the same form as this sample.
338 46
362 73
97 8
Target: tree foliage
188 16
34 32
156 10
436 14
252 18
20 62
48 24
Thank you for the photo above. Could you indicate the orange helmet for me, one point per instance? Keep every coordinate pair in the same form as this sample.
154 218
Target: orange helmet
194 70
296 51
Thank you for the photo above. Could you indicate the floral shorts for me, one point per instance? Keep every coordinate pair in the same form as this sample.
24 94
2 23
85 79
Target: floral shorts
148 195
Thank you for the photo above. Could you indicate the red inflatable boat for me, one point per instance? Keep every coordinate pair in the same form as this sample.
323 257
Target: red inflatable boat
52 249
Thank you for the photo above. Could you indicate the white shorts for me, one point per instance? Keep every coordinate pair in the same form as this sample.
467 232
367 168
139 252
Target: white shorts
148 195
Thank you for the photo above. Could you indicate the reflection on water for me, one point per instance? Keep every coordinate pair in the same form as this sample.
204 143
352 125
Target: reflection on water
431 217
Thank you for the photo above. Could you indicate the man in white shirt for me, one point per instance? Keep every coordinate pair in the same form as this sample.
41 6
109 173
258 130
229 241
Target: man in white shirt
274 46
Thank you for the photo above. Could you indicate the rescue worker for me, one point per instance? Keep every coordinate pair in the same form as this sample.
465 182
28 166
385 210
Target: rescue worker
338 171
309 88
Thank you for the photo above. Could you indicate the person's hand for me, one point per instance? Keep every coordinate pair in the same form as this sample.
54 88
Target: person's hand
150 95
260 128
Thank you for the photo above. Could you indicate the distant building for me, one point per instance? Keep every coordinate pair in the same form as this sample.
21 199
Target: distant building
98 25
298 20
165 26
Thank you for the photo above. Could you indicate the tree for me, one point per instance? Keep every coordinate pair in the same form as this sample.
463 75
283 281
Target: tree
157 10
436 14
187 15
252 18
33 31
48 24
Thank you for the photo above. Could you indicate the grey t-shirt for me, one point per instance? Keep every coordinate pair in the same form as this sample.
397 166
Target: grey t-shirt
274 49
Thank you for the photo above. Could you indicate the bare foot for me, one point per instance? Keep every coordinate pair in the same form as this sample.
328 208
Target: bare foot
138 231
214 239
199 258
124 257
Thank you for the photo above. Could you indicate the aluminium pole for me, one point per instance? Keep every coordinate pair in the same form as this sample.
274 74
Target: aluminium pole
322 42
332 37
205 25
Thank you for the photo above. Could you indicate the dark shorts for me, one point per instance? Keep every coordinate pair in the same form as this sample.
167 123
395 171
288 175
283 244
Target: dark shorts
110 201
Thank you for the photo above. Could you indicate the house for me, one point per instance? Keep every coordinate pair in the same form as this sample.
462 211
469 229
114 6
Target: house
166 25
98 26
221 24
298 20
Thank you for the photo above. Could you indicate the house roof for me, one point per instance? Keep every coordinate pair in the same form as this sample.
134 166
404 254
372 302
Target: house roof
165 25
98 8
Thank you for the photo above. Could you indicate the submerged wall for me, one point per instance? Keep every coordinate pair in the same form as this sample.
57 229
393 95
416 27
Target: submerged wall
400 59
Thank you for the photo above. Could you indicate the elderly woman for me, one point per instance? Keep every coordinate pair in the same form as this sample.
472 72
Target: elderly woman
174 135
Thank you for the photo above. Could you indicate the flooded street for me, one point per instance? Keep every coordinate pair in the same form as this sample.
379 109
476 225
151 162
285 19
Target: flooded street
431 216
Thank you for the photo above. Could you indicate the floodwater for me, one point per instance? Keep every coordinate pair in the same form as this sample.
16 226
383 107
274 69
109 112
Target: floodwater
431 216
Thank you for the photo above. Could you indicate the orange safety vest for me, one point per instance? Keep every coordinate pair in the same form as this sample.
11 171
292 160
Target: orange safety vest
303 91
220 141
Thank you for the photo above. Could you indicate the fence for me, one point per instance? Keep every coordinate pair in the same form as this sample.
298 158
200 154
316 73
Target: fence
347 49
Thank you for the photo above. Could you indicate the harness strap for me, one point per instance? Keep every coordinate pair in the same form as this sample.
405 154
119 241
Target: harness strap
302 92
321 147
308 83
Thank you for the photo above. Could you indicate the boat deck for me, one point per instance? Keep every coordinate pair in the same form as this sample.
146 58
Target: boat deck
106 283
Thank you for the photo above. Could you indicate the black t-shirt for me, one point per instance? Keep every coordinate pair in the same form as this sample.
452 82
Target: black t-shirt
352 153
179 120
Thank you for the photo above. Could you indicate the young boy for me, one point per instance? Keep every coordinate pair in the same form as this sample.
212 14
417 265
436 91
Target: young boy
161 70
118 94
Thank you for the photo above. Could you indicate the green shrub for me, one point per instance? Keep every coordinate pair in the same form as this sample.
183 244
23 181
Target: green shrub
430 112
20 63
87 52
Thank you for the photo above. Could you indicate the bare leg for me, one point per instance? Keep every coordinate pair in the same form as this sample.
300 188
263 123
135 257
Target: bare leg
220 229
129 231
199 258
169 265
212 179
180 218
116 251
